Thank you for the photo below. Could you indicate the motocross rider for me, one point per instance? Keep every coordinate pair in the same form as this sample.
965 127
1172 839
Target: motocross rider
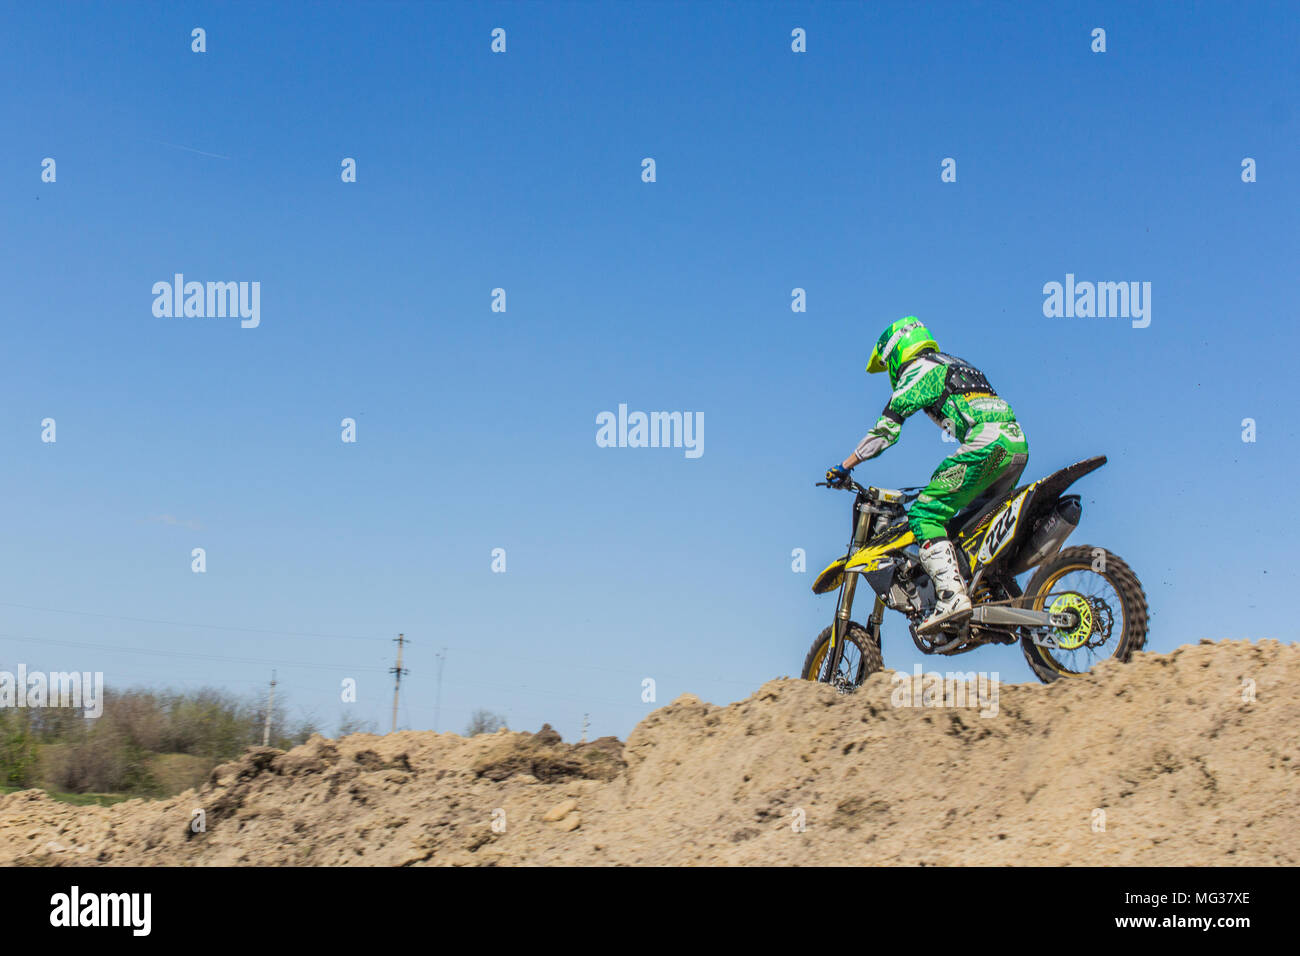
988 463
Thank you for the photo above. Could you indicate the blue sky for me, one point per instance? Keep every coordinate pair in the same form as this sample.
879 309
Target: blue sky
476 430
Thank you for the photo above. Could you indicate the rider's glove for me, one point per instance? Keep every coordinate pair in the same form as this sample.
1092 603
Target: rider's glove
837 476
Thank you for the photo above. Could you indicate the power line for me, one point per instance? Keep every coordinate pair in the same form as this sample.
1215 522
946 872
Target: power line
187 654
214 627
575 665
347 668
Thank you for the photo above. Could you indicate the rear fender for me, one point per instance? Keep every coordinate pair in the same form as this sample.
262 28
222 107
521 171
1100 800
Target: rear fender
1005 530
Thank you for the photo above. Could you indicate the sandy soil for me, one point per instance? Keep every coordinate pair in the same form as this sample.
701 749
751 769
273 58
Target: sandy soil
1162 761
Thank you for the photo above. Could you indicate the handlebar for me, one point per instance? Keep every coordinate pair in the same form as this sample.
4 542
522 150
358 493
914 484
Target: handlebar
849 485
906 495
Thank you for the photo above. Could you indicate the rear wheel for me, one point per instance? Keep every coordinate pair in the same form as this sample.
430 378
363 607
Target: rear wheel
1104 598
861 658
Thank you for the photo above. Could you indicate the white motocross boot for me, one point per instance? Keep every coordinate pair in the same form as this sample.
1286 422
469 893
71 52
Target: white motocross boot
952 603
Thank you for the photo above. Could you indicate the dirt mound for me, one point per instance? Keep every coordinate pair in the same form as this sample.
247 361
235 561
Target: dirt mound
1185 758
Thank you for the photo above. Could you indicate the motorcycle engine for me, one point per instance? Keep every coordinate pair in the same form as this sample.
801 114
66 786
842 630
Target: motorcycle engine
904 593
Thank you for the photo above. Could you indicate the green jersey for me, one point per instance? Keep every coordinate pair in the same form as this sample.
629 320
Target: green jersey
951 391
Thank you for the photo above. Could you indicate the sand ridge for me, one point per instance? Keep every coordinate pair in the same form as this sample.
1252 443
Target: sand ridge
1166 760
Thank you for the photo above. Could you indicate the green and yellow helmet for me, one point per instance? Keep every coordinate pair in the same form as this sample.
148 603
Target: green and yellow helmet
899 343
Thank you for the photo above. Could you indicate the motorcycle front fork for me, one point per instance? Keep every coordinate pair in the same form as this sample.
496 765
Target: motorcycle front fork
840 625
844 607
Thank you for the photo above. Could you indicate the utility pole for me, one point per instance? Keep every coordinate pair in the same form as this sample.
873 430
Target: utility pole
397 673
270 706
437 707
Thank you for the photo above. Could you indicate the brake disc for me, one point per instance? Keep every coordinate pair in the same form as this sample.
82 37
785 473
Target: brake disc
1103 619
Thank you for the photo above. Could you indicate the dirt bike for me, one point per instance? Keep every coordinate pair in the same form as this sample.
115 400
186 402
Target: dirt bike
1080 602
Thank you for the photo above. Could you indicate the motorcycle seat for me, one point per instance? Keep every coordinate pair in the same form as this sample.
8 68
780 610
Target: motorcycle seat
969 518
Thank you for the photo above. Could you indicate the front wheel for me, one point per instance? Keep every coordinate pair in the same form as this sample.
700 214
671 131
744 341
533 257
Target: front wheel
861 658
1104 598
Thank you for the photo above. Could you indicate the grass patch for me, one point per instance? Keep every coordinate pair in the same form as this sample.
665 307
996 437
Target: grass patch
76 799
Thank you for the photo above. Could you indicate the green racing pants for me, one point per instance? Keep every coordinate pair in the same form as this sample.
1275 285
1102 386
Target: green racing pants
988 464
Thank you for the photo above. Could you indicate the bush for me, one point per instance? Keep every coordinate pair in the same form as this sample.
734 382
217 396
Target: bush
484 722
123 750
355 725
102 763
18 756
